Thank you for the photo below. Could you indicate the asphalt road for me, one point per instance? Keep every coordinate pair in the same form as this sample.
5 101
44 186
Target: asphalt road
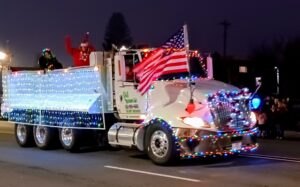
276 163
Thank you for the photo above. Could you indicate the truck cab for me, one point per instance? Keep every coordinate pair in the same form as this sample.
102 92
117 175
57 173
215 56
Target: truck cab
131 105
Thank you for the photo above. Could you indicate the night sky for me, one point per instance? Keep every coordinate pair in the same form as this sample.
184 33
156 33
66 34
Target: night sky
32 25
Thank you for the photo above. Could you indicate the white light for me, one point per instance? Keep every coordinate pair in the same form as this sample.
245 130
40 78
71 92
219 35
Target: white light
253 118
2 55
243 69
195 122
146 50
143 116
123 48
76 90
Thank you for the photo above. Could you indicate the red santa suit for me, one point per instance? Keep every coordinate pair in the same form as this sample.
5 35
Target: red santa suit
81 55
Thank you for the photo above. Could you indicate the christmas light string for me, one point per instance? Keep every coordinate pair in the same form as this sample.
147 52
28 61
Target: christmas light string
56 98
180 142
233 107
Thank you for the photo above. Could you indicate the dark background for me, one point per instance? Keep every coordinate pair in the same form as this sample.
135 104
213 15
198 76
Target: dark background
32 25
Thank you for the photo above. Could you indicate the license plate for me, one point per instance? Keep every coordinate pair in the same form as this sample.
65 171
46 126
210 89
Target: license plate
237 145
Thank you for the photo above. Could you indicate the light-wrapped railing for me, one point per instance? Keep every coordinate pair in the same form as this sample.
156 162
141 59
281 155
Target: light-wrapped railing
67 98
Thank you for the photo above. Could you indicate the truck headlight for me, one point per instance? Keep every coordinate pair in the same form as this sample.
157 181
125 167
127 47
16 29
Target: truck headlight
196 122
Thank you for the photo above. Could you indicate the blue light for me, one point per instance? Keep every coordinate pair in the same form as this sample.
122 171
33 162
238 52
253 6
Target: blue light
255 103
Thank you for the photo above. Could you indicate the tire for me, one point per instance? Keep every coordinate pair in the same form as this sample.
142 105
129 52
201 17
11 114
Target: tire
44 137
70 139
160 145
24 135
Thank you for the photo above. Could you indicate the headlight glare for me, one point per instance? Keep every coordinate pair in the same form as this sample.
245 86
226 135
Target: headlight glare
196 122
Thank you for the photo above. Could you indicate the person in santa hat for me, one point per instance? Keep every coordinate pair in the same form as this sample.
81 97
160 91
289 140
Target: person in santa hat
81 55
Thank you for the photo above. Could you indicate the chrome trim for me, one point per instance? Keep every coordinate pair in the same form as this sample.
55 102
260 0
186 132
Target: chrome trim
67 136
40 134
21 133
159 143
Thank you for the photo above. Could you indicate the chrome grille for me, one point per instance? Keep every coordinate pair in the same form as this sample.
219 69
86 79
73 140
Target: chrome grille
230 111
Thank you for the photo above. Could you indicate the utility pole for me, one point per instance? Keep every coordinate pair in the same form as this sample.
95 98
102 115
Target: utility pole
225 25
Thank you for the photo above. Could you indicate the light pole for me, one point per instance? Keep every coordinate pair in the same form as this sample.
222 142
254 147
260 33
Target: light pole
3 59
277 79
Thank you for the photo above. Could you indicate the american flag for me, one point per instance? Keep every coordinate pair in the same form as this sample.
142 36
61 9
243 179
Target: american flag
171 57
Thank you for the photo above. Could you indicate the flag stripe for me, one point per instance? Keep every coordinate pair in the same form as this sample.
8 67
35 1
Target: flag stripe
156 54
147 79
170 58
169 61
148 67
162 69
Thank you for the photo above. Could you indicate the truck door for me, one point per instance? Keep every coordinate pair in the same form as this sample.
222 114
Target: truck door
130 103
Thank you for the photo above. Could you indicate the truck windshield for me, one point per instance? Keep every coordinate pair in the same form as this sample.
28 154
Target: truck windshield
197 67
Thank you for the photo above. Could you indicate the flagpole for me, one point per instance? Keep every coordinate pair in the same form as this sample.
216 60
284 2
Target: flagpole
187 46
187 49
191 106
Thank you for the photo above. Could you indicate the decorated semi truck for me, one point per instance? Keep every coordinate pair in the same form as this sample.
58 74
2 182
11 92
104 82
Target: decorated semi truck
101 103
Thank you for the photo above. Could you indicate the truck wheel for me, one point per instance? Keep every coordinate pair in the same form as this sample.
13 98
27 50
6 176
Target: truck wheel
23 135
160 145
69 139
44 136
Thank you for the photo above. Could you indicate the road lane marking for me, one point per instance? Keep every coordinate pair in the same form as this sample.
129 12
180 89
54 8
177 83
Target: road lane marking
273 156
155 174
269 157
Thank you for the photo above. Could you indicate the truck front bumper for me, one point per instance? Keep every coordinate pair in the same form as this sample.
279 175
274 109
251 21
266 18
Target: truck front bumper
207 143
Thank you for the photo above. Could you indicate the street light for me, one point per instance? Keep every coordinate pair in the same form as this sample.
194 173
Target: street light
277 79
5 60
3 55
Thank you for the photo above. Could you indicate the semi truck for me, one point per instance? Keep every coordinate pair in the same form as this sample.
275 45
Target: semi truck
99 102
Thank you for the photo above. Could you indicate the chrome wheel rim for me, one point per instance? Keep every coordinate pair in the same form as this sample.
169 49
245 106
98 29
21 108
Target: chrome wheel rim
159 144
40 134
67 136
21 133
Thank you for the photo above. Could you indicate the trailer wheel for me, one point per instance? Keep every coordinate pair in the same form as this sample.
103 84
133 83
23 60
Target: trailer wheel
23 135
160 144
44 137
70 139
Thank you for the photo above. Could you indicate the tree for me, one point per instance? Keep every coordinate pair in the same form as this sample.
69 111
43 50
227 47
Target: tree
117 32
283 55
264 59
